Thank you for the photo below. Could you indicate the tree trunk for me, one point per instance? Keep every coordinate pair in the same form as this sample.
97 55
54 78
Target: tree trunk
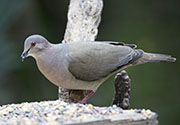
84 17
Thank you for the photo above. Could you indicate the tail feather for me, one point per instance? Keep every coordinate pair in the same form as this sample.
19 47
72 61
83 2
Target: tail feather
153 57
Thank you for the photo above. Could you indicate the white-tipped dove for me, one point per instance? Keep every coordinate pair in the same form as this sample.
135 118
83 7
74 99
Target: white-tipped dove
85 65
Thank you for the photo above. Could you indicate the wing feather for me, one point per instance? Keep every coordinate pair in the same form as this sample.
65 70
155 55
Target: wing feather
91 61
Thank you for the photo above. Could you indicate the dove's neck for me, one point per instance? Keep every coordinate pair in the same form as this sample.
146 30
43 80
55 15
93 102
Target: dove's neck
51 51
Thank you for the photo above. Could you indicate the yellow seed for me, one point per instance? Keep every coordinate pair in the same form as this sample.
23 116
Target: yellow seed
143 111
90 106
148 112
8 109
61 107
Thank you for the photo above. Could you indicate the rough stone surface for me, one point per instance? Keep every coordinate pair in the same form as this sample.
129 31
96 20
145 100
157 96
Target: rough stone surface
84 17
122 90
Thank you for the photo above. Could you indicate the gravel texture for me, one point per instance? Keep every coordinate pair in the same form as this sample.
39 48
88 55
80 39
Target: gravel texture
59 112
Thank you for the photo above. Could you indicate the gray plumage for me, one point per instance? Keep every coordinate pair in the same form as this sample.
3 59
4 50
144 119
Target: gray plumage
85 65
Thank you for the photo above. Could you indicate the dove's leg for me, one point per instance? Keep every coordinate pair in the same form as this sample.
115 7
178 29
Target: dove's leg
83 101
76 95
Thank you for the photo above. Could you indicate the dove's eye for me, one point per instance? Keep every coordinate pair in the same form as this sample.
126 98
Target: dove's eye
33 44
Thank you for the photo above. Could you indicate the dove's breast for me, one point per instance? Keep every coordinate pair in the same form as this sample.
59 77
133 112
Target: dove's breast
54 67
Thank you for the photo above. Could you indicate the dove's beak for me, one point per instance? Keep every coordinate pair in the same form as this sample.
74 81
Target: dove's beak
24 54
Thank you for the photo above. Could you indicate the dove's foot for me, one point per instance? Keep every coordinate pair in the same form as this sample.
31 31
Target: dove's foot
83 101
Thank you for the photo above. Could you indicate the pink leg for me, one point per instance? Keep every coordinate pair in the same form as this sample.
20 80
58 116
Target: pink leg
75 99
69 91
83 101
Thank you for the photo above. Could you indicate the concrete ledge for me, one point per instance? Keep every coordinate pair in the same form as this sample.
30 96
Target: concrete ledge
59 112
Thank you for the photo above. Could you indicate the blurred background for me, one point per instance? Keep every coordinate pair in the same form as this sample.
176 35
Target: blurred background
152 25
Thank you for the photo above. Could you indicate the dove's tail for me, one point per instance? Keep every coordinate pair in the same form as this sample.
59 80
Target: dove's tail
153 57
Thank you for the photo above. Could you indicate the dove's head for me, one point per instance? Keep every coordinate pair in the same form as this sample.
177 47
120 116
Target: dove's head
34 45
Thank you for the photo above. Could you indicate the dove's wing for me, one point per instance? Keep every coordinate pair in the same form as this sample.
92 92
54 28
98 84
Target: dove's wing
90 61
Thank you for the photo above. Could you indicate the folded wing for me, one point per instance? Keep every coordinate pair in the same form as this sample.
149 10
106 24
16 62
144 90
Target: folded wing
90 61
